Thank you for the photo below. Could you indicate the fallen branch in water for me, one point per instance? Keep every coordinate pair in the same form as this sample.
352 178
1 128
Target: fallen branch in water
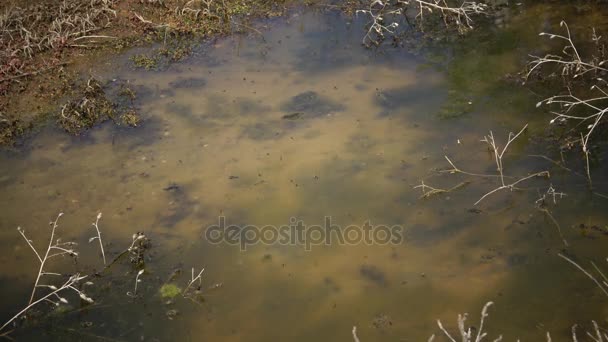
428 191
498 154
512 186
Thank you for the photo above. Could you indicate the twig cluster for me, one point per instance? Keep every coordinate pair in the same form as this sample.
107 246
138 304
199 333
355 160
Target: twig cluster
593 108
498 158
458 15
378 11
597 336
467 334
586 110
56 292
569 63
385 14
55 248
498 154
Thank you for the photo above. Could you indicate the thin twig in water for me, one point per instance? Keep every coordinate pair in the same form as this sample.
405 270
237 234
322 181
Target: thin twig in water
355 337
455 169
428 191
68 285
571 63
467 334
193 279
498 159
599 284
542 205
382 11
559 228
137 281
98 237
573 66
57 248
556 163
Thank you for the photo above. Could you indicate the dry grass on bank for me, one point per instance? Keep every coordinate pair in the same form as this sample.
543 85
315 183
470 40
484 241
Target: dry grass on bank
43 41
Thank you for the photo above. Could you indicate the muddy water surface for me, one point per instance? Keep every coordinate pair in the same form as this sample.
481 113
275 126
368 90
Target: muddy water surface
307 124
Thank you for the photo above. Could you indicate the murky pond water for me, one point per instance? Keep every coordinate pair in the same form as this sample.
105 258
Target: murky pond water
307 124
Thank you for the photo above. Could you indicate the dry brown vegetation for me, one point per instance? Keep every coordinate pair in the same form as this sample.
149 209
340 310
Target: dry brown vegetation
42 42
584 101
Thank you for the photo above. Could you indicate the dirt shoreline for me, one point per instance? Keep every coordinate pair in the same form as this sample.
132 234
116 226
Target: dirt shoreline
47 46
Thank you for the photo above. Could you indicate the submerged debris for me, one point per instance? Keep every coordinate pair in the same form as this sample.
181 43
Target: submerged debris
169 291
130 118
145 62
310 103
88 110
374 274
293 116
9 129
171 314
172 187
188 83
92 106
382 321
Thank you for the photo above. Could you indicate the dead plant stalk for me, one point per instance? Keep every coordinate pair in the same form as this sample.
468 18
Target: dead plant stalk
193 279
499 154
53 246
380 11
498 158
98 237
573 66
54 249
